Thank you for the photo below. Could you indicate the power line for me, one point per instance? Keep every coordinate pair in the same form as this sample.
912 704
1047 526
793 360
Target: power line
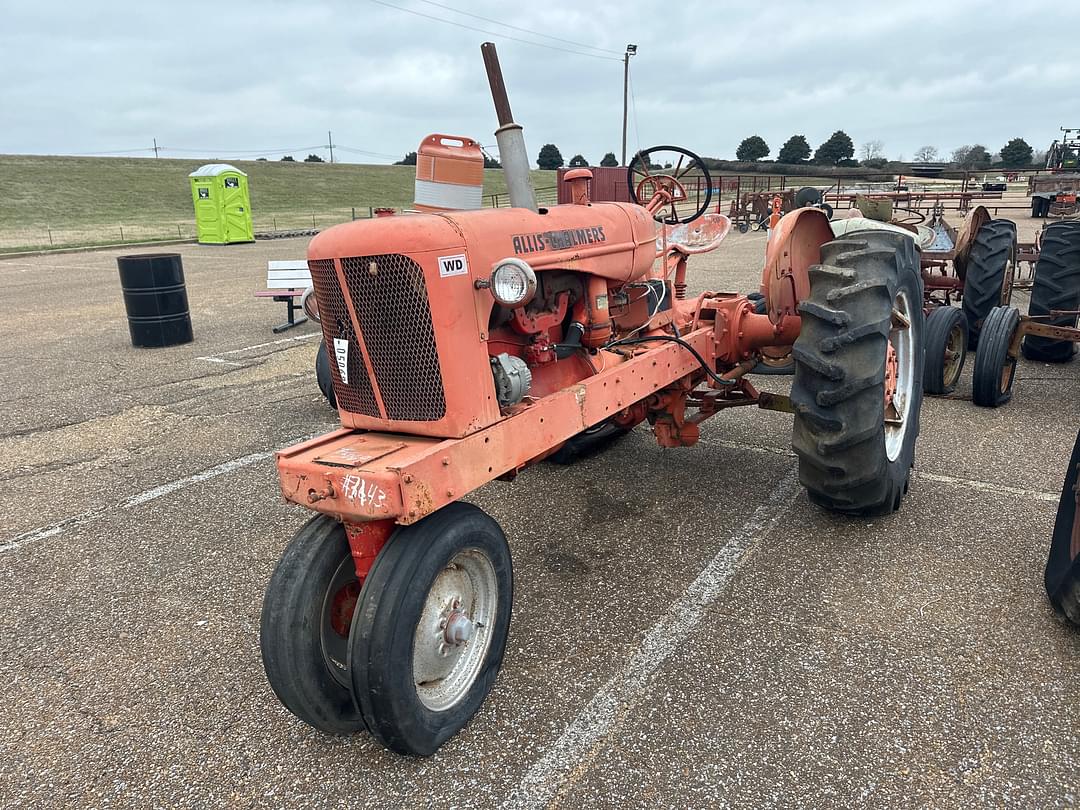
240 151
518 28
357 151
111 152
493 33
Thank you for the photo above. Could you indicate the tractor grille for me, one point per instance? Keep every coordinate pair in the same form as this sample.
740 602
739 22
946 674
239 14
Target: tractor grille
357 396
391 302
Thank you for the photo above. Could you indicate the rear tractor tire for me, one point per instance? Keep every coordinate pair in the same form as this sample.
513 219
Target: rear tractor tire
590 442
1056 287
862 339
946 349
995 369
985 283
1062 575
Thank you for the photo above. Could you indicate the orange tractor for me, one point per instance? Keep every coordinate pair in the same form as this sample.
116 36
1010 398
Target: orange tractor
466 346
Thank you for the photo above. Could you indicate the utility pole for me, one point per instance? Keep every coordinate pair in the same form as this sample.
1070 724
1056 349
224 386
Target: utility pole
330 138
155 148
630 51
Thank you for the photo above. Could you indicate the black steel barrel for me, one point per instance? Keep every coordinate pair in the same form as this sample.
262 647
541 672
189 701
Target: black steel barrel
155 298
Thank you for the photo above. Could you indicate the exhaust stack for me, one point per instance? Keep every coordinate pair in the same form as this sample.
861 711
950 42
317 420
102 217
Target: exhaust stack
509 136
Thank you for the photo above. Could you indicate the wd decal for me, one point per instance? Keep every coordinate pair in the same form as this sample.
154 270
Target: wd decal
557 240
453 265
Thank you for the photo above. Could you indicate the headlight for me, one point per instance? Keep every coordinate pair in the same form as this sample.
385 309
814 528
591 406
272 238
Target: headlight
513 283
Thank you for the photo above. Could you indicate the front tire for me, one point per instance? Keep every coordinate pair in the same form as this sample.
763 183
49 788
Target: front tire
304 628
995 369
865 296
946 349
1062 575
416 685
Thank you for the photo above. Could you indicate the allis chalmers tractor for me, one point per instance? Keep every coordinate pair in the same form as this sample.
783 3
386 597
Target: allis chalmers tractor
466 346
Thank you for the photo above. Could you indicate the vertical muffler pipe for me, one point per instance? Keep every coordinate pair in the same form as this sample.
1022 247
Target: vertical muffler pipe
509 136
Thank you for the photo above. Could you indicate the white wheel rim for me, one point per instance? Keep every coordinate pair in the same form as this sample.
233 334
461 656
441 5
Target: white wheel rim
464 599
896 416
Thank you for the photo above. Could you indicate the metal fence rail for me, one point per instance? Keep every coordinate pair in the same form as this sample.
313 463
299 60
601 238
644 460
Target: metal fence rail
839 191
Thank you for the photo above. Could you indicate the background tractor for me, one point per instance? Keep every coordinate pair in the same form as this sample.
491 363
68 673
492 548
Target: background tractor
465 346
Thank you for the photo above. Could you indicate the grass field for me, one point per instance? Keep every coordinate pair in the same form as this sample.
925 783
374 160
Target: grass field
90 200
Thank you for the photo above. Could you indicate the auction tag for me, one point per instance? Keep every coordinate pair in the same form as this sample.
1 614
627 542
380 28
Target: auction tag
453 265
341 354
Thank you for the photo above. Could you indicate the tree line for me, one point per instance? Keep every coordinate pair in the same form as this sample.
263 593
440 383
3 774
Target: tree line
839 150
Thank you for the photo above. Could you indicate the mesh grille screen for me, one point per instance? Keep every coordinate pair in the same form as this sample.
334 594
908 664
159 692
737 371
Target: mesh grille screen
357 396
391 302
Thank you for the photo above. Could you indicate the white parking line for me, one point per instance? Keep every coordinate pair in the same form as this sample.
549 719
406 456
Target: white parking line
53 529
969 483
988 486
220 358
579 745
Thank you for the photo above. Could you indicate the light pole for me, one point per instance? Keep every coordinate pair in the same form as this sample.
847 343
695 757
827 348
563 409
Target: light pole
630 51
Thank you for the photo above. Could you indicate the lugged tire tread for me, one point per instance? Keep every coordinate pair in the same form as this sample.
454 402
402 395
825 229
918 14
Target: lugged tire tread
1056 286
838 390
987 264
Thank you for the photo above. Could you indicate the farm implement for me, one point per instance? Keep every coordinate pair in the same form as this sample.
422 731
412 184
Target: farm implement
465 346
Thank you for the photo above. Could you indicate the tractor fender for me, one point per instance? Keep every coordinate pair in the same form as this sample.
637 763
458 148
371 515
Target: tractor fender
794 246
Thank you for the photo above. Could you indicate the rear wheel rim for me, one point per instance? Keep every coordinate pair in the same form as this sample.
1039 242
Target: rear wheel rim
1007 374
454 632
898 406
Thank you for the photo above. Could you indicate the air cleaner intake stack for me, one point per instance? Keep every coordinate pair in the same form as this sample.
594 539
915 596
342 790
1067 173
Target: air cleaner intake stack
511 140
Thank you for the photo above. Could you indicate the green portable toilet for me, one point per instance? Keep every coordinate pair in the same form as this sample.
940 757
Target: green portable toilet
222 205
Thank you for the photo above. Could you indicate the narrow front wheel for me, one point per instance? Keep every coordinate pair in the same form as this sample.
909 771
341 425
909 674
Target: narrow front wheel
995 366
306 616
946 349
430 630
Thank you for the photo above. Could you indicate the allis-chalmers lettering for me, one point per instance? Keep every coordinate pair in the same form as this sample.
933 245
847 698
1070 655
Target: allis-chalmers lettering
557 240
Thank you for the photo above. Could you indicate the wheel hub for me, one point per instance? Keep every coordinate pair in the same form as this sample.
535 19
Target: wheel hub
892 373
954 353
342 608
899 374
453 634
459 628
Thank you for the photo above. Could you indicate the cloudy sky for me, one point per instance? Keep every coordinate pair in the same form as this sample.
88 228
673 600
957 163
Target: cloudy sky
244 78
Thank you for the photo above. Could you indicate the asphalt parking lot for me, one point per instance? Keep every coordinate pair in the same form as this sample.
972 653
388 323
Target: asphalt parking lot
688 630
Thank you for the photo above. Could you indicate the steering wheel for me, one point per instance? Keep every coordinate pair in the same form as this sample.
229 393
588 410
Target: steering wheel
657 179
